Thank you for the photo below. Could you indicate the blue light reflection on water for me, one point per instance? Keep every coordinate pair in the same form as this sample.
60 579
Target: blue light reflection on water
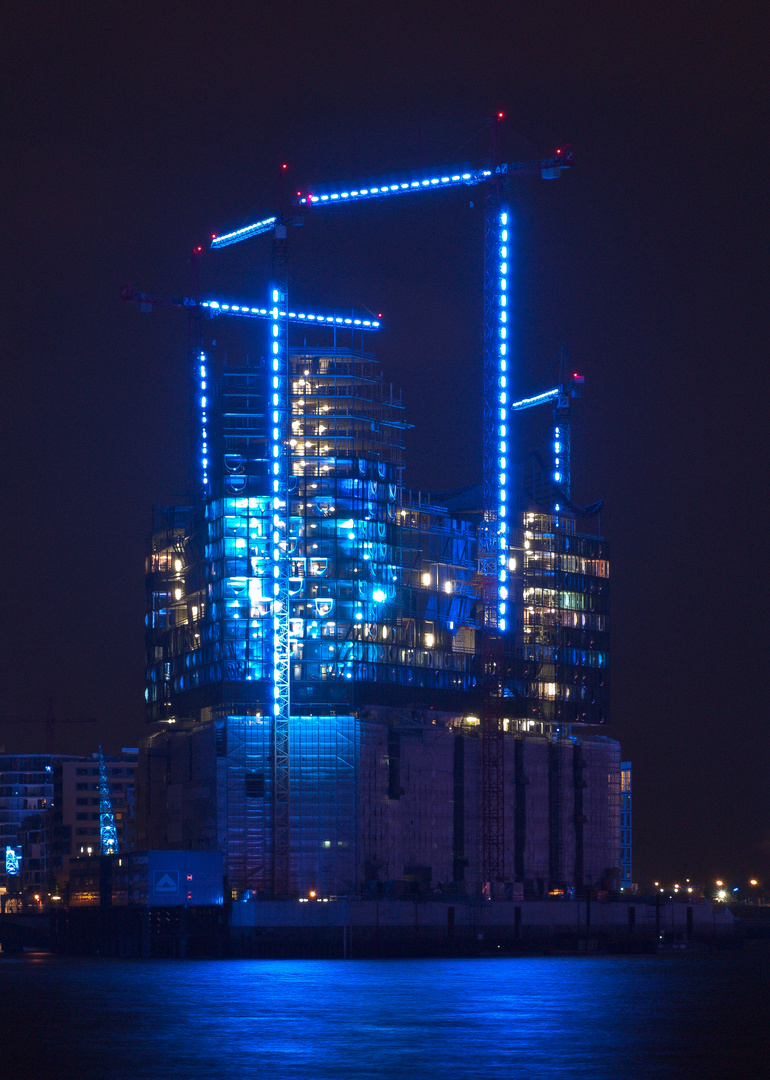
571 1017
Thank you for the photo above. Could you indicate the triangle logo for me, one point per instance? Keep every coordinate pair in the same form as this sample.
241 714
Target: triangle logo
166 881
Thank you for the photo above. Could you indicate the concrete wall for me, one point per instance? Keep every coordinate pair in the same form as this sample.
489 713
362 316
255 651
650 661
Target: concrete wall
384 806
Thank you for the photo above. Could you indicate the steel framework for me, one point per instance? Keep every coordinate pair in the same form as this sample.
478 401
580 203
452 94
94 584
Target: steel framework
107 833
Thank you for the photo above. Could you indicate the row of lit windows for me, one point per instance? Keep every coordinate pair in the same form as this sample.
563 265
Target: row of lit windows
428 676
550 654
345 466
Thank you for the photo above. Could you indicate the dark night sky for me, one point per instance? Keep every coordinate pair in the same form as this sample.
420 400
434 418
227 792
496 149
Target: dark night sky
133 131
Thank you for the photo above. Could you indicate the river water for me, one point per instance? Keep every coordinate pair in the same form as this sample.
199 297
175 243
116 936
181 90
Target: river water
695 1015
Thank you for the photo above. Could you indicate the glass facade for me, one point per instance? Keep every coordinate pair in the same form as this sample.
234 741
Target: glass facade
384 592
561 659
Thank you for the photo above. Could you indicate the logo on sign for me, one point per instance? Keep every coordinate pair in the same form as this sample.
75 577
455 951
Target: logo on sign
166 881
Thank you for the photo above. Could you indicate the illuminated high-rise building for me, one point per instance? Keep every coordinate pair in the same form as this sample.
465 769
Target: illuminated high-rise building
378 779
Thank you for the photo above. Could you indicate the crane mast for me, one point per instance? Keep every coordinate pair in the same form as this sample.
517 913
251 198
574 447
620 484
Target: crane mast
281 552
107 833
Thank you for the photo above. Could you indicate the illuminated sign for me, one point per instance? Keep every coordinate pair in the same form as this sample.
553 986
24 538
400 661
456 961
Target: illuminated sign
166 881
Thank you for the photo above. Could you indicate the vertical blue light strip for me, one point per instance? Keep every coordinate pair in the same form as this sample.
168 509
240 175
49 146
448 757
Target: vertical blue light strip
204 395
279 473
503 339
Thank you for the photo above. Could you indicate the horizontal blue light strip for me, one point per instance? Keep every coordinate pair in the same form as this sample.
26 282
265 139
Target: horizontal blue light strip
218 307
539 399
245 233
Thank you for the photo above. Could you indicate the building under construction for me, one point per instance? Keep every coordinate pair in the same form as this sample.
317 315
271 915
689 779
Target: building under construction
422 754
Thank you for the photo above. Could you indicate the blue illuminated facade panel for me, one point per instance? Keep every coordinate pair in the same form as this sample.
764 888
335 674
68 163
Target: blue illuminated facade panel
324 770
239 592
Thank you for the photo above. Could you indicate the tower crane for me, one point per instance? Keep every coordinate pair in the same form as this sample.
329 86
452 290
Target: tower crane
279 315
498 230
108 835
51 722
569 387
494 534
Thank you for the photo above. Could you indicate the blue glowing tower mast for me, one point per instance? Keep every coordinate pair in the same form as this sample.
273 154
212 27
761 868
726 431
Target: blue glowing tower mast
107 833
279 456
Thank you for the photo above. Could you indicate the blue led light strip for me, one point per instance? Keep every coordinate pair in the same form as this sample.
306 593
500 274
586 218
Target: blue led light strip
538 399
380 189
355 322
279 475
458 177
202 380
502 243
244 234
561 456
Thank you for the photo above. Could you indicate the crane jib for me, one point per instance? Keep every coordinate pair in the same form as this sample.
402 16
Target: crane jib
385 186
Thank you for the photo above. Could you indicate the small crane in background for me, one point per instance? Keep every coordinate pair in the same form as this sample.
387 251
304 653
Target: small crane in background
107 833
51 722
569 386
